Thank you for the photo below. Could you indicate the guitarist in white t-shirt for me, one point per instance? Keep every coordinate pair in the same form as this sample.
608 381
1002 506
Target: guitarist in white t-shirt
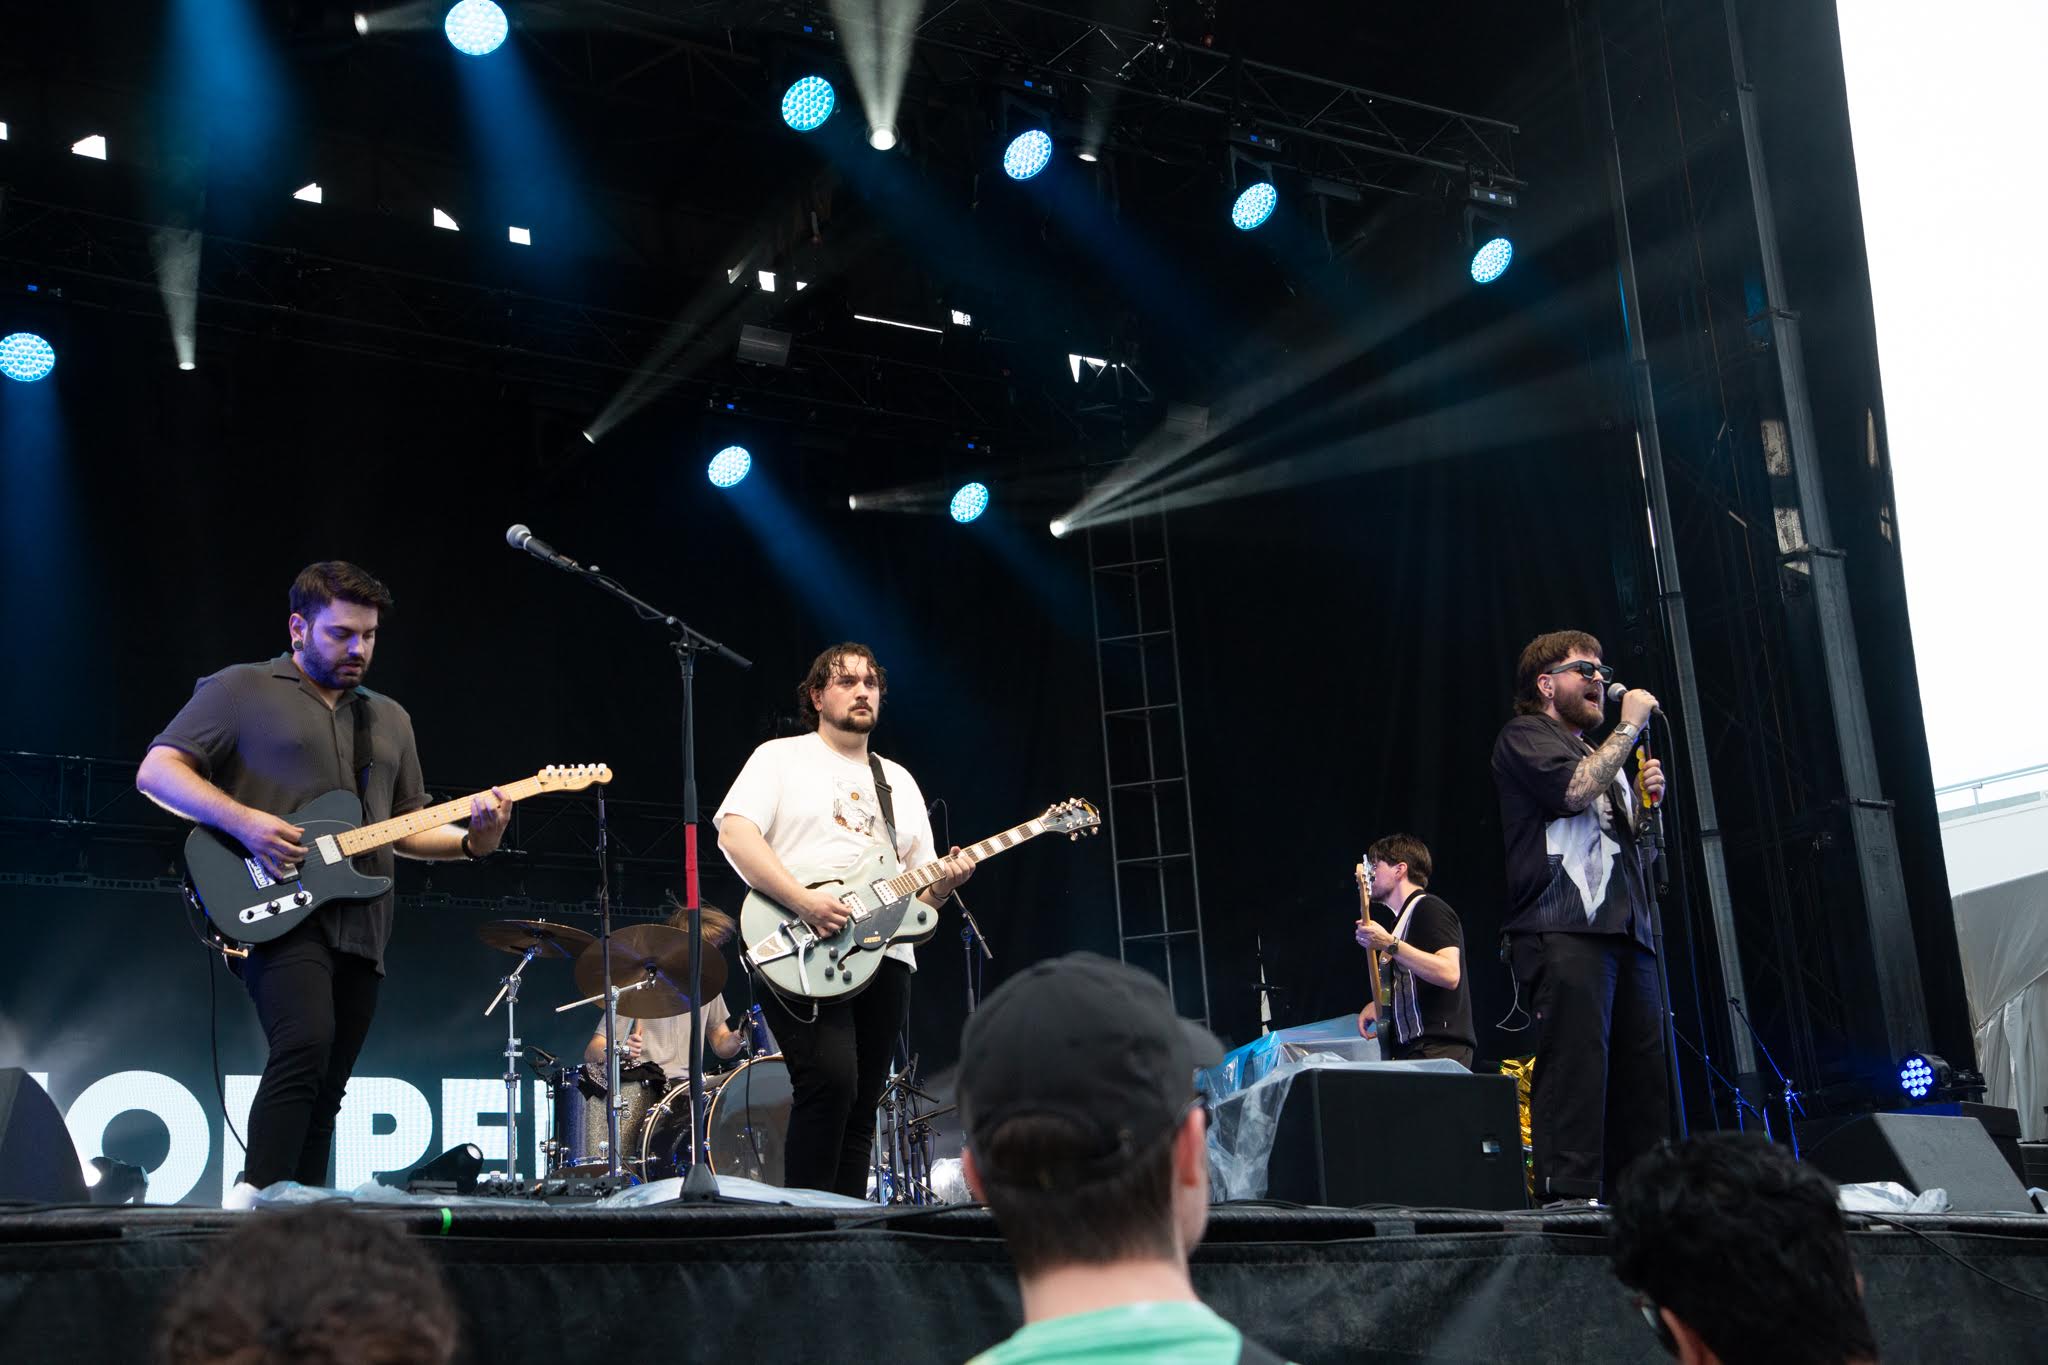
812 800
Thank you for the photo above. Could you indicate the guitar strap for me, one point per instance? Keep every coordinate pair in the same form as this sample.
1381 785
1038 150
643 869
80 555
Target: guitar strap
883 794
364 752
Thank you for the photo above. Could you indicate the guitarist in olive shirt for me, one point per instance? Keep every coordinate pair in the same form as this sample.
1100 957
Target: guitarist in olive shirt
257 741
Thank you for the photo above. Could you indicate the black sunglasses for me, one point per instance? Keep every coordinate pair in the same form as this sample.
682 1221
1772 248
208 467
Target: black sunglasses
1585 670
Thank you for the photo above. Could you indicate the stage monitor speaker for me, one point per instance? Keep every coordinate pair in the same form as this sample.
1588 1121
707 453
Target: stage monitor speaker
37 1160
1924 1152
1397 1135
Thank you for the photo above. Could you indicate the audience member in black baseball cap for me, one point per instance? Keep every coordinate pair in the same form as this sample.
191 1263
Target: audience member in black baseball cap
1086 1137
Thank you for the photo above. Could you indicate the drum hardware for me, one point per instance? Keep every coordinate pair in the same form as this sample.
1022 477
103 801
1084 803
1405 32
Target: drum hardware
903 1141
661 958
530 939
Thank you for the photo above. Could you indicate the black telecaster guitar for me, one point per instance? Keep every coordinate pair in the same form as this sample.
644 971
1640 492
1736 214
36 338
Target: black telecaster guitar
249 905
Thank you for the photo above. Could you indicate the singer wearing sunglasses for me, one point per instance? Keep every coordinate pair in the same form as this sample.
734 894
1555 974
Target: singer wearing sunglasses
1579 921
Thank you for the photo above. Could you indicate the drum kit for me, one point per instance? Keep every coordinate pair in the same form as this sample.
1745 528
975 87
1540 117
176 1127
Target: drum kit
643 1134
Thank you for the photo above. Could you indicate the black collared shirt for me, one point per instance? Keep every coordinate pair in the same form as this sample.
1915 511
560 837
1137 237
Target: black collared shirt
1568 871
263 735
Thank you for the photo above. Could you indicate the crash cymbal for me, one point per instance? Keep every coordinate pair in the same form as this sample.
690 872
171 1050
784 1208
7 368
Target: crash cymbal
636 949
517 935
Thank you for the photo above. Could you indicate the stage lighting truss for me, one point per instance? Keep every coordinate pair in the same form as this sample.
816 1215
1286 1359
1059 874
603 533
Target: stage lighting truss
476 28
26 357
808 103
969 502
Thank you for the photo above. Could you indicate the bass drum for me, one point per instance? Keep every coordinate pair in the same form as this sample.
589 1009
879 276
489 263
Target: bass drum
748 1121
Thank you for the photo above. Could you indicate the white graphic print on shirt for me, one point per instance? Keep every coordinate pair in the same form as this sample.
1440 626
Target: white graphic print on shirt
855 811
1586 844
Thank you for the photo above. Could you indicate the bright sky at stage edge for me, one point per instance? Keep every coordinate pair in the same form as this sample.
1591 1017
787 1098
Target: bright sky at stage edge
476 28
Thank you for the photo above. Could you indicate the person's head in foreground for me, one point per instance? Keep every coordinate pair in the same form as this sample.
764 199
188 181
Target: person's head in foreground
1087 1139
1738 1253
322 1285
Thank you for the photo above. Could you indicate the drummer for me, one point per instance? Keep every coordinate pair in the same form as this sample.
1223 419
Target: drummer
665 1043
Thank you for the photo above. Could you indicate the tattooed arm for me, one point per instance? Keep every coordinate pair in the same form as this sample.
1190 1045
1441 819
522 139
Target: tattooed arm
1598 768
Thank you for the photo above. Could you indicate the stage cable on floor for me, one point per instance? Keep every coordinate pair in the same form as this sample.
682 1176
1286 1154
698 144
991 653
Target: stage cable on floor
1957 1258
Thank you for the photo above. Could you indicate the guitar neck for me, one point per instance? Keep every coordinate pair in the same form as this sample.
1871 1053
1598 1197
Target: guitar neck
918 878
359 841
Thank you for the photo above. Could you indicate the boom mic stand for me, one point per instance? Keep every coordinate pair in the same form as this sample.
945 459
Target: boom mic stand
688 644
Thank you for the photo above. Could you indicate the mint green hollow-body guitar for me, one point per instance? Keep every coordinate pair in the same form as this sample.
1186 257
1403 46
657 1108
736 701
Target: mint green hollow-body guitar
884 909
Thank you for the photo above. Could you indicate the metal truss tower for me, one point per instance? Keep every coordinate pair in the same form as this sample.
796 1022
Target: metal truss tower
1150 811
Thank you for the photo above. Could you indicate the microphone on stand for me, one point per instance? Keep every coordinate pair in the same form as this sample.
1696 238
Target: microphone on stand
1651 827
520 538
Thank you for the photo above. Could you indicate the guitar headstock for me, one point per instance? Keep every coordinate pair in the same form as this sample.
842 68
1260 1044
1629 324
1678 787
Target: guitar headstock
1072 817
558 778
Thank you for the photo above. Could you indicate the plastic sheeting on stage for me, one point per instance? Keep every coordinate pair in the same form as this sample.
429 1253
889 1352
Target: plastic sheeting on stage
735 1284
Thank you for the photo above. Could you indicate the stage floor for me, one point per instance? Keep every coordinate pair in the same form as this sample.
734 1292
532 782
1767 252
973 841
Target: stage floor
733 1282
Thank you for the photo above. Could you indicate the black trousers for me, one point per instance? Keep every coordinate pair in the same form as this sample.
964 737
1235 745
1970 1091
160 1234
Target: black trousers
1424 1049
838 1065
1601 1096
315 1005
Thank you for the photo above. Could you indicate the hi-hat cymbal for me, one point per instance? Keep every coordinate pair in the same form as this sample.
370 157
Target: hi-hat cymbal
636 950
553 940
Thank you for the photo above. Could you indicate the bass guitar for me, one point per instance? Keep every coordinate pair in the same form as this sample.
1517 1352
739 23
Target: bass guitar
247 904
882 902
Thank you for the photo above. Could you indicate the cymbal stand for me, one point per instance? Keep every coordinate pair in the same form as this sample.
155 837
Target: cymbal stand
508 991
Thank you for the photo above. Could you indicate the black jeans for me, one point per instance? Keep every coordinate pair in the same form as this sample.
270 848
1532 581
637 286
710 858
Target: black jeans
1425 1049
838 1065
315 1005
1601 1096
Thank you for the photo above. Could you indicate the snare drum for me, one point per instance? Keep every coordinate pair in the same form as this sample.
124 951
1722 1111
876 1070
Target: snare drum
581 1132
748 1122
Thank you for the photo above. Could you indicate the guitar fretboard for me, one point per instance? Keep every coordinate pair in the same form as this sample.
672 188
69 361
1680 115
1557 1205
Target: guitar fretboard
918 878
390 831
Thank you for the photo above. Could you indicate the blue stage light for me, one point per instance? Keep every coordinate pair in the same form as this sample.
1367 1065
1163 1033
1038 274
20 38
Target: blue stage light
26 357
1027 154
729 466
1490 262
1921 1073
970 502
1254 206
807 103
476 27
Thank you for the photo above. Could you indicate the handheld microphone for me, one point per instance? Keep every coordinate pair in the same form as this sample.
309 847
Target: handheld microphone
520 538
1616 691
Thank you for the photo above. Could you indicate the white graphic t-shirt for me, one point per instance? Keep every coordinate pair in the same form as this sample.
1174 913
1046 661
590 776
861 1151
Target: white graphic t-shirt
818 809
